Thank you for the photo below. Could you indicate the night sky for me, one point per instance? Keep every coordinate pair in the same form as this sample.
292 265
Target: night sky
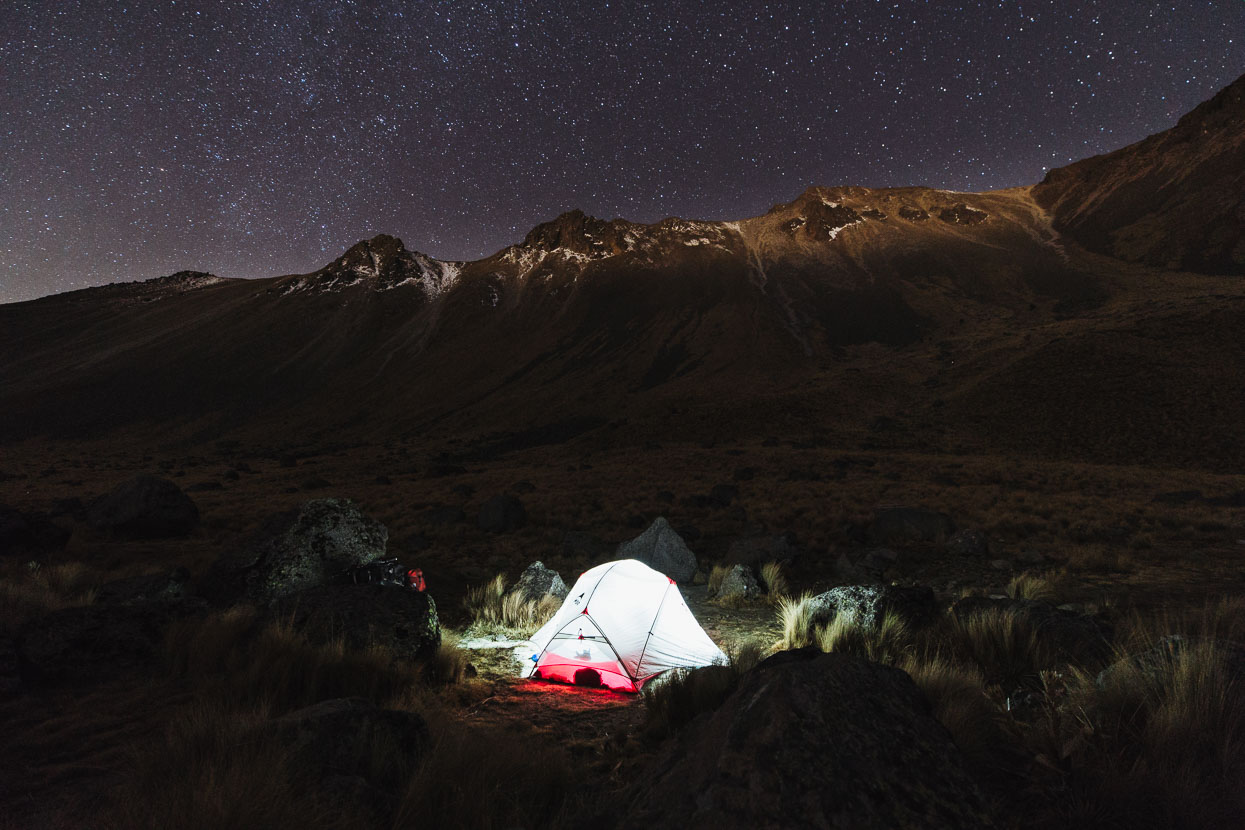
261 138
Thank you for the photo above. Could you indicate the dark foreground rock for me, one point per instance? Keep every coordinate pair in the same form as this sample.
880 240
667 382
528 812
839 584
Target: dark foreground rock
662 549
311 545
402 620
537 582
96 641
868 604
909 525
812 740
502 514
146 507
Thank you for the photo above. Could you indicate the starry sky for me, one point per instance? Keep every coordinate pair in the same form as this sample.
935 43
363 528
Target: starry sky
254 138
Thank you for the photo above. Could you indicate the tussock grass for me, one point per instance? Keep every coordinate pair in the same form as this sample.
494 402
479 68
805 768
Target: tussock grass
795 616
1030 585
774 581
27 593
494 612
1006 647
681 695
888 642
716 575
957 694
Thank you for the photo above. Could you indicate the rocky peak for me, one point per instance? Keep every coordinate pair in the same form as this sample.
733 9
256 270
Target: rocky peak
577 231
380 263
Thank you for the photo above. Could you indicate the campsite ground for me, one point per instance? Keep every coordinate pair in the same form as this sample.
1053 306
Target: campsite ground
1096 531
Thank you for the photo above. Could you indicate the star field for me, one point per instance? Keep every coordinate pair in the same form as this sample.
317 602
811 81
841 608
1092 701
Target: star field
255 138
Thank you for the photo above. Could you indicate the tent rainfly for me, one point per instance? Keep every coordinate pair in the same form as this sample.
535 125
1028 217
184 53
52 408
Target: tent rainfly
622 624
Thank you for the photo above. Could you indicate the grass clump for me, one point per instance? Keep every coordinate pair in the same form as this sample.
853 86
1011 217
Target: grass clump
795 614
887 642
30 591
496 612
679 696
1031 586
774 581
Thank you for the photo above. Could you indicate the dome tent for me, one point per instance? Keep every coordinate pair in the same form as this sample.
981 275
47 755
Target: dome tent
626 623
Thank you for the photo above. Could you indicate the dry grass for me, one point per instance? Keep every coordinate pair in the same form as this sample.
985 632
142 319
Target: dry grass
957 693
681 695
494 612
1006 647
888 642
795 616
716 575
1030 585
774 581
27 593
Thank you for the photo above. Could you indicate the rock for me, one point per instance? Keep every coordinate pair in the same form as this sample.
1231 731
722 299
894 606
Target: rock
145 507
297 549
344 737
537 582
739 583
721 495
169 586
577 544
662 549
315 483
523 487
400 619
502 514
1071 634
812 740
968 543
900 525
869 603
1030 557
87 642
1001 565
962 214
758 550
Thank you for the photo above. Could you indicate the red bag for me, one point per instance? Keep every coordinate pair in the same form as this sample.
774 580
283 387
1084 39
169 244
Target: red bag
415 579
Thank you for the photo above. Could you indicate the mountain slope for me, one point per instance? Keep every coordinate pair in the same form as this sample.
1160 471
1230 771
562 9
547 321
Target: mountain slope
1176 199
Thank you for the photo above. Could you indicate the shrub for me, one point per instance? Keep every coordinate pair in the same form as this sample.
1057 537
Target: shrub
494 612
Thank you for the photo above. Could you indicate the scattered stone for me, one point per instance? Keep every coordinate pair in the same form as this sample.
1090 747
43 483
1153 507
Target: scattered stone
523 487
664 497
962 214
537 582
1001 565
662 549
315 483
383 481
744 474
205 486
812 740
1030 557
169 586
10 670
969 543
297 549
145 507
464 490
739 583
502 514
399 619
576 544
900 525
868 604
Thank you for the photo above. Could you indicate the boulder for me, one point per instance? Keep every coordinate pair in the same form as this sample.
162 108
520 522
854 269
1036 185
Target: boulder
399 619
812 740
297 549
86 642
739 583
868 604
1073 635
909 525
756 551
502 514
346 736
146 507
167 586
969 543
662 549
537 582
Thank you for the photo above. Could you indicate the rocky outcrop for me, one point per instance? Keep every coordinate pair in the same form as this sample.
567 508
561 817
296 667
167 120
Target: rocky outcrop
813 740
145 507
868 604
301 548
401 620
662 549
537 582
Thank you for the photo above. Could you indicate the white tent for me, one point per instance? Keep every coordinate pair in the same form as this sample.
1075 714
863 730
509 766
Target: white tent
624 621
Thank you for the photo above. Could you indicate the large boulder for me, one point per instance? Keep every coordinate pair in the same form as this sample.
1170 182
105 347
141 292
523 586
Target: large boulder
308 546
662 549
1071 634
502 514
909 525
537 582
401 620
868 604
93 641
146 507
813 740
